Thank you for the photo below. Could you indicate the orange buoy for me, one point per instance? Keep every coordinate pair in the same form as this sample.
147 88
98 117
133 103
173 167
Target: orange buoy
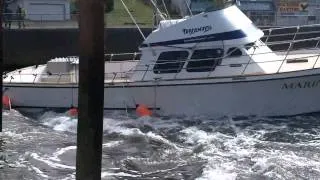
143 110
6 102
73 112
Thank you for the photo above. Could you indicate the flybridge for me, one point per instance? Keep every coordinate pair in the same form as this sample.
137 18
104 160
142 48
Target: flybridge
229 26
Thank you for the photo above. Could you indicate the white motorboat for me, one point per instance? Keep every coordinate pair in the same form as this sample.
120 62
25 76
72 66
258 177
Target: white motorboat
212 63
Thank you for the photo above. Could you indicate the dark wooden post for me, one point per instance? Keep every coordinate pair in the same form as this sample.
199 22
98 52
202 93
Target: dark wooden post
1 58
91 90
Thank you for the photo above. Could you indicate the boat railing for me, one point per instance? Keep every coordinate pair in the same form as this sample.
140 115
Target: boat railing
113 77
125 76
145 68
122 56
249 62
285 51
281 41
176 71
136 56
290 27
270 35
291 33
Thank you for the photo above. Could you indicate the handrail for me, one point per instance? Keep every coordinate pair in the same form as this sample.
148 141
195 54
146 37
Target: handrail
293 41
315 63
204 59
288 27
289 34
117 54
267 43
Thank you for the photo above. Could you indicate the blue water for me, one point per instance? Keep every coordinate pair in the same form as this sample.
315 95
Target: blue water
43 146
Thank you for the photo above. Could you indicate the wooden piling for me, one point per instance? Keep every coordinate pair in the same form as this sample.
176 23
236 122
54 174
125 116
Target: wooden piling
1 58
91 90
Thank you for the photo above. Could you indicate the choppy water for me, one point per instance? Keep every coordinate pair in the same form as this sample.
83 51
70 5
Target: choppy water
44 147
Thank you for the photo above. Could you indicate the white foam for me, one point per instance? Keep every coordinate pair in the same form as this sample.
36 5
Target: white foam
112 144
62 122
70 177
59 122
39 172
12 134
50 163
223 152
120 174
61 151
217 174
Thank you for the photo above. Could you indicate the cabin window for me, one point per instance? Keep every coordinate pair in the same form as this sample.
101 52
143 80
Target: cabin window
234 52
170 62
205 60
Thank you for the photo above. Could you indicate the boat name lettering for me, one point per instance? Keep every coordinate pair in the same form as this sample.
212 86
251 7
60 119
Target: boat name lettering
203 29
301 85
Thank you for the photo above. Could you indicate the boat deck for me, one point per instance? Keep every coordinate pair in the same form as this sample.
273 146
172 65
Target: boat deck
285 62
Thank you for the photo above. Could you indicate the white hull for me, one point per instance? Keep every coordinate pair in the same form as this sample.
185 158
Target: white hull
265 95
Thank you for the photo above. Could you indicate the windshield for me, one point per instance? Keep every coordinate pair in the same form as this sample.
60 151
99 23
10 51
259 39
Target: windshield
198 6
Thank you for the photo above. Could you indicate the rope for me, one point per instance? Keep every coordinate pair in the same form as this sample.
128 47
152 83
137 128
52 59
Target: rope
157 9
188 6
165 7
132 18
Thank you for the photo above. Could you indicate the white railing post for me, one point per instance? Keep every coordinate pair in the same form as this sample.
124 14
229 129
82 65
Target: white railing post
134 56
11 77
285 58
250 58
111 56
34 79
59 78
114 77
270 31
289 49
317 44
315 63
144 75
295 35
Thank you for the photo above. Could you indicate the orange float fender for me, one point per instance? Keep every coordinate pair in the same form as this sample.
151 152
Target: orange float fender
6 102
143 110
73 112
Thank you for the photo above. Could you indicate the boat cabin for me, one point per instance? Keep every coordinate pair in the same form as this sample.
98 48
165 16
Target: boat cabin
195 46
